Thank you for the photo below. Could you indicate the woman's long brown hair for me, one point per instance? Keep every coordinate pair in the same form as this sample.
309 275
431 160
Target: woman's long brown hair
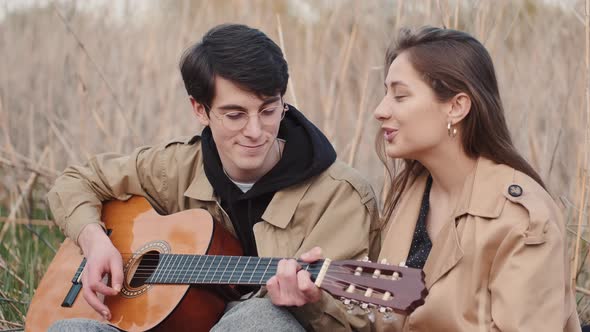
450 62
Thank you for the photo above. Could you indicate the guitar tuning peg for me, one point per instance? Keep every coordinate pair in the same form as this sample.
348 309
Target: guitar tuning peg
371 316
348 301
376 273
384 261
384 309
387 314
347 304
403 264
386 296
350 288
388 317
350 305
365 259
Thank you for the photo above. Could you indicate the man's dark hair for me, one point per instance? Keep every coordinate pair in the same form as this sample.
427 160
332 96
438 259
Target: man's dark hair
238 53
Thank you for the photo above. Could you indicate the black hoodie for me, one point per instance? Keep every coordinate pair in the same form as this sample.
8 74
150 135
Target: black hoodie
307 153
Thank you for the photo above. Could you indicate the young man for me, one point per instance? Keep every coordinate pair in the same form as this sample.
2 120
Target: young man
259 167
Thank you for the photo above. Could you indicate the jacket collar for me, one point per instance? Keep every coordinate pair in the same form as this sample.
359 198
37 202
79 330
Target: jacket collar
279 211
200 187
482 196
281 208
483 191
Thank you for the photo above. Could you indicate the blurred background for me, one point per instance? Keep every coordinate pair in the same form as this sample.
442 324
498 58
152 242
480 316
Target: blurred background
83 77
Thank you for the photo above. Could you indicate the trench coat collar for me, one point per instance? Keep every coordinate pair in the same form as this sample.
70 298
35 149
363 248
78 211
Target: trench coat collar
482 196
279 211
484 189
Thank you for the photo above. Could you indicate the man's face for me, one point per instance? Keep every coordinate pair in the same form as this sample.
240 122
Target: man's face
249 152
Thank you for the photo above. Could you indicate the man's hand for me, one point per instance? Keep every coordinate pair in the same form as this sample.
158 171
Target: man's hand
101 258
292 286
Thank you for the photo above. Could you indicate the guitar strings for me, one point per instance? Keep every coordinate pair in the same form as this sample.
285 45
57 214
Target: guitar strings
329 280
343 284
253 273
240 261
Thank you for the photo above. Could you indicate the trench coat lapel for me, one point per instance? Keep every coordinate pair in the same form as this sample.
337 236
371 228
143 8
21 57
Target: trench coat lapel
400 232
481 197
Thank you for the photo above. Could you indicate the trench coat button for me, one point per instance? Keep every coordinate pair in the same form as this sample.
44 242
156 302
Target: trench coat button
515 190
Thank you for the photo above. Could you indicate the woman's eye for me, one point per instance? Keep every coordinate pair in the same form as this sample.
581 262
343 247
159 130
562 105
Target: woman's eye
400 97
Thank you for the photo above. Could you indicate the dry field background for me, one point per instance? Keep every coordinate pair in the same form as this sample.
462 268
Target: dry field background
78 79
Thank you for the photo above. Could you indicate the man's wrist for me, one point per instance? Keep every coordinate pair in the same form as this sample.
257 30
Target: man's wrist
89 235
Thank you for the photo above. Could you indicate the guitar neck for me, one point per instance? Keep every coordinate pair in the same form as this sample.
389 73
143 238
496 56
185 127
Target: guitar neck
209 269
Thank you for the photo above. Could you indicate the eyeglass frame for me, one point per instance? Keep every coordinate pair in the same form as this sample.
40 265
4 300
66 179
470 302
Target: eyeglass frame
284 108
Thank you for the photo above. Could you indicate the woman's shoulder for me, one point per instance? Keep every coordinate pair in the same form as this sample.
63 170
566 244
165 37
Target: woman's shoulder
527 206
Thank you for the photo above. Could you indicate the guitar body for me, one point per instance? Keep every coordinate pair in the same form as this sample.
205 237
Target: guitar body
138 229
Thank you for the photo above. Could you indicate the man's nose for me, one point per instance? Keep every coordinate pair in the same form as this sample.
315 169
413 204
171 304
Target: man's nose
253 127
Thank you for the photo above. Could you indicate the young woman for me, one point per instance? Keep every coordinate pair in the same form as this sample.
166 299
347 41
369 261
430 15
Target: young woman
464 205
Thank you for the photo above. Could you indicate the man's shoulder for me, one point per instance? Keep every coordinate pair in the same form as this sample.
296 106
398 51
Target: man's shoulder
183 141
341 174
181 151
180 147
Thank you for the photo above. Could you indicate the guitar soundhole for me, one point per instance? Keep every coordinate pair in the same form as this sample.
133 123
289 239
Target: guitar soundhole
147 266
141 266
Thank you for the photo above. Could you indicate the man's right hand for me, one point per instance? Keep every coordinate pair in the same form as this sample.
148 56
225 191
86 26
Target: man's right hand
101 258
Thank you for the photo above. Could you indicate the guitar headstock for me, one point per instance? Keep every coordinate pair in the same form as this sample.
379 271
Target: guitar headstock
390 287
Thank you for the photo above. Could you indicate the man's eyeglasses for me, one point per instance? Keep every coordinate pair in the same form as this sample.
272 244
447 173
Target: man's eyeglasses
237 120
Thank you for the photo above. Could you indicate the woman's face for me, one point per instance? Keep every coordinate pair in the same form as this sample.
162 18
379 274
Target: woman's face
413 121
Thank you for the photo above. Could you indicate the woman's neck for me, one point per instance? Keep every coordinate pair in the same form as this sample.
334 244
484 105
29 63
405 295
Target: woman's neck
449 167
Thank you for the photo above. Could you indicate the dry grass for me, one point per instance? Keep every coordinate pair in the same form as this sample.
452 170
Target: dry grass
82 82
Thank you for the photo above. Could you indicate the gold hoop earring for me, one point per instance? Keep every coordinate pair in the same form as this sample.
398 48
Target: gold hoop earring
451 131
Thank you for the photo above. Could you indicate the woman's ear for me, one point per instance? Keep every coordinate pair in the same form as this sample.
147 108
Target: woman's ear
200 111
460 107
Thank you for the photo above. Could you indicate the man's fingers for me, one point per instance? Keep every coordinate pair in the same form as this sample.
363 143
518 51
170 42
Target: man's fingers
116 275
272 285
311 292
94 282
313 255
101 288
95 302
287 270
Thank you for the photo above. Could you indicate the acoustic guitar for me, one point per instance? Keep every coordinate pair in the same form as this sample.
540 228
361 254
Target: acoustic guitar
178 268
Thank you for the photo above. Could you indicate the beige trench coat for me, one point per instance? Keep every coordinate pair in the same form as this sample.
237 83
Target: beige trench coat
498 265
335 210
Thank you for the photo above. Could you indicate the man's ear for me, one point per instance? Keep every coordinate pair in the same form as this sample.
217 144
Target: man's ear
199 111
460 108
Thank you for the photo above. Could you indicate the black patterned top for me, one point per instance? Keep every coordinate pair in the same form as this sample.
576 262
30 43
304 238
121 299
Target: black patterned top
421 243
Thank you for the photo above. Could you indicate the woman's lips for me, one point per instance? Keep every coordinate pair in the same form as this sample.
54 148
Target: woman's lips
389 134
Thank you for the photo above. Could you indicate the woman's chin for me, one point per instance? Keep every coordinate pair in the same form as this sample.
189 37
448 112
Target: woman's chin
394 153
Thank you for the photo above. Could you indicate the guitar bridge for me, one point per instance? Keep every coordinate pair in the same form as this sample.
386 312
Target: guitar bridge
71 296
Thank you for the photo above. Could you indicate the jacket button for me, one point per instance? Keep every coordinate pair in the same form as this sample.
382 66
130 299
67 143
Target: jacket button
515 190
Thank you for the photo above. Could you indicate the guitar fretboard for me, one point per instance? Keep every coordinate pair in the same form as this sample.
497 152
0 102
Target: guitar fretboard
208 269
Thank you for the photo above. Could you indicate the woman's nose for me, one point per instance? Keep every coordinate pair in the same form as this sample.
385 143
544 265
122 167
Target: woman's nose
381 111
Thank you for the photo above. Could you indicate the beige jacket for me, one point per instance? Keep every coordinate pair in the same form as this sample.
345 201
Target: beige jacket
335 210
498 265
